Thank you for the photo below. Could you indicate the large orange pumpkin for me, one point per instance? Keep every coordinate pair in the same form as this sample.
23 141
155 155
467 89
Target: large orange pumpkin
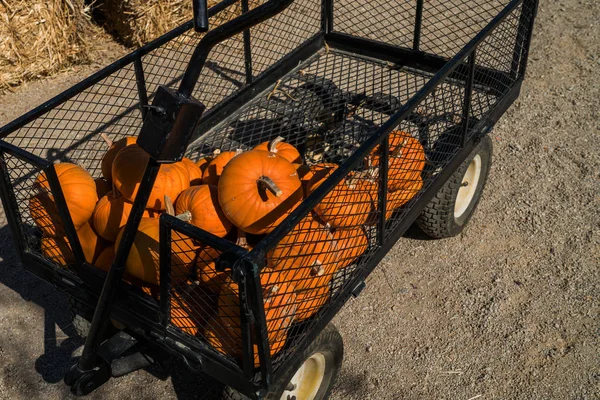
191 308
79 191
351 243
111 214
113 150
348 204
279 305
406 159
44 213
91 244
302 247
258 190
57 249
310 302
400 197
143 259
207 269
193 170
279 147
105 258
214 169
128 170
202 202
102 186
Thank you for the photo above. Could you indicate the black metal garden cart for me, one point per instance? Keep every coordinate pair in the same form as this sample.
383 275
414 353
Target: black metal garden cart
338 79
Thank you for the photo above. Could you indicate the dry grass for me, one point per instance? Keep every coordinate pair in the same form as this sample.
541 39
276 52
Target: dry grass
41 37
136 22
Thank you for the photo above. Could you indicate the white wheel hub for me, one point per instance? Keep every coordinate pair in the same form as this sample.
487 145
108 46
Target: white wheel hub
307 380
468 187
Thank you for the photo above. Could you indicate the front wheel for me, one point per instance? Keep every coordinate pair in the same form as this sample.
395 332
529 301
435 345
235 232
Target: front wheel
310 378
448 212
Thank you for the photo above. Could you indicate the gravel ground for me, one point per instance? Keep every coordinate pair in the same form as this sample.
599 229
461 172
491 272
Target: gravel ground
507 310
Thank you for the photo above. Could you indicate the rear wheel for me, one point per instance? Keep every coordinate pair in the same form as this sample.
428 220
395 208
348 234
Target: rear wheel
313 376
450 210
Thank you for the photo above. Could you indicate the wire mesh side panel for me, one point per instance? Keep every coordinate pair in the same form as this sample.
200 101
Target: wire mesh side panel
446 26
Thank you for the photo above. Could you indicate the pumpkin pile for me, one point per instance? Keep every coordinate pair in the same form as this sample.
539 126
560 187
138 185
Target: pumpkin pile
240 196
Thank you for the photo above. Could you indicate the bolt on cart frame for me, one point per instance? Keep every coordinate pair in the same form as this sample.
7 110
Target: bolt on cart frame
336 79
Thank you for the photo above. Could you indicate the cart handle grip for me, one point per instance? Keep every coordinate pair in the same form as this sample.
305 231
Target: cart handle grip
200 8
245 21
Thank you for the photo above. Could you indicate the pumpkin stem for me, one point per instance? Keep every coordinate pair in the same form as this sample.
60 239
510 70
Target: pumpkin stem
170 209
241 240
106 139
266 183
273 144
317 269
238 152
398 150
216 152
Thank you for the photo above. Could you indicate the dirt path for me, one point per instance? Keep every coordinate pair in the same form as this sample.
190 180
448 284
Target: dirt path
508 310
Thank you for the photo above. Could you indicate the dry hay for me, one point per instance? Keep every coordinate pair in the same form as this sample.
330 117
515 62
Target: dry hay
136 22
41 37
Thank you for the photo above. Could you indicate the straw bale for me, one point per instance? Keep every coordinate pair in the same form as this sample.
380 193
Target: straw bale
41 37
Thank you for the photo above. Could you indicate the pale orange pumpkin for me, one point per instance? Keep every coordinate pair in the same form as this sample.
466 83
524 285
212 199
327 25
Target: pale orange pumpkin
111 214
128 170
193 170
406 159
102 186
79 191
214 169
202 203
310 302
279 147
351 243
258 190
113 150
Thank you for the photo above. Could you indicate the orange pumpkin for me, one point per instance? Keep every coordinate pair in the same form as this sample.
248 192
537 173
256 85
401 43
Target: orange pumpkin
279 147
185 312
228 340
214 169
207 269
102 186
203 163
202 203
400 197
44 213
348 204
279 305
111 214
91 244
351 243
105 258
258 190
113 150
305 255
310 302
406 159
143 259
57 249
79 191
193 170
128 170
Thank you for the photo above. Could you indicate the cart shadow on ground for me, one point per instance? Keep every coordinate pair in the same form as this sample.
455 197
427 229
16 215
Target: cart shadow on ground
63 346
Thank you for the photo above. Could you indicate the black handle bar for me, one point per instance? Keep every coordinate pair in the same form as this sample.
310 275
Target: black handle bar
224 32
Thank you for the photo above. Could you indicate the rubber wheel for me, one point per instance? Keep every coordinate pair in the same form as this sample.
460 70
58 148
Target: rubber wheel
76 310
310 378
450 210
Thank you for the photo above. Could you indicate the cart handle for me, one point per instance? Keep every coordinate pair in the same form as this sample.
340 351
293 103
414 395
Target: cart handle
237 25
200 8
